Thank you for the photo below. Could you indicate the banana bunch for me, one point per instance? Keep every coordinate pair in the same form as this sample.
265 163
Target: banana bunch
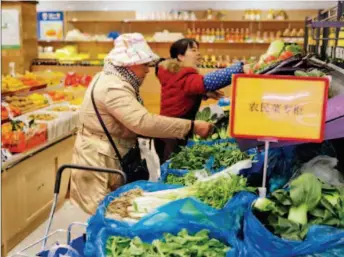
9 83
30 75
38 99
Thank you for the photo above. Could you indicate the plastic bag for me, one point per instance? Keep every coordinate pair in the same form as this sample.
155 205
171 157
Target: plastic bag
334 252
260 242
99 220
187 213
323 167
211 142
75 249
148 152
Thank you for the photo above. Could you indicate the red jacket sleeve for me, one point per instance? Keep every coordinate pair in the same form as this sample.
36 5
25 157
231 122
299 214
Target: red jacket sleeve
194 85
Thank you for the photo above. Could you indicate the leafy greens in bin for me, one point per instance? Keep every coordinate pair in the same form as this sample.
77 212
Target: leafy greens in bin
187 180
215 192
181 245
308 202
195 157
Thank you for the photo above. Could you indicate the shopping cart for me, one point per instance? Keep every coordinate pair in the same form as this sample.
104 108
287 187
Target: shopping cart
72 247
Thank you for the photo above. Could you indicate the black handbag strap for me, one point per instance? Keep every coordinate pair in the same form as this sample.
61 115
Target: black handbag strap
103 125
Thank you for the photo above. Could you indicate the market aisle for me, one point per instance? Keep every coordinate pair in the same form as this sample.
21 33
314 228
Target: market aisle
63 217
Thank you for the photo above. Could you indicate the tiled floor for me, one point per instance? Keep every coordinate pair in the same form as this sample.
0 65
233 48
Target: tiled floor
63 217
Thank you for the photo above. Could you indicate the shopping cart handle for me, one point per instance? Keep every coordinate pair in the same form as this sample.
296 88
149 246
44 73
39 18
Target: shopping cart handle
85 168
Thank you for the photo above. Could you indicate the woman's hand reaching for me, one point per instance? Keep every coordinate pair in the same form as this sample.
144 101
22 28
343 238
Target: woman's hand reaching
216 95
202 128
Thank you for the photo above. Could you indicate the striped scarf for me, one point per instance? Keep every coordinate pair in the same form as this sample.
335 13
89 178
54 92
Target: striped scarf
126 75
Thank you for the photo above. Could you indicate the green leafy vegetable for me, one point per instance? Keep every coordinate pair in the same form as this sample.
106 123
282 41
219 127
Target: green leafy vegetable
186 180
305 193
312 73
181 245
289 214
214 191
195 157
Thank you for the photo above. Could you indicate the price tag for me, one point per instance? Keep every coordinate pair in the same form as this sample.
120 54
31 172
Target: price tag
329 51
340 53
279 107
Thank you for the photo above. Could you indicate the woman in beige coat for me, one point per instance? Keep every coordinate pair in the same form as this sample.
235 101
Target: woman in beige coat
118 101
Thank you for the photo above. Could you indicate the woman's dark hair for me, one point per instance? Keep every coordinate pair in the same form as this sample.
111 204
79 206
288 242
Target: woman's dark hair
178 48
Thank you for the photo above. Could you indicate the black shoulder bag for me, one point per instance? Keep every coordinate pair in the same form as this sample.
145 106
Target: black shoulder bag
132 164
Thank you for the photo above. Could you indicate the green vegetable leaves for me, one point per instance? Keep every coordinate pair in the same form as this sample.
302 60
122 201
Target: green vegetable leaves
312 73
309 202
181 245
305 193
217 192
186 180
195 157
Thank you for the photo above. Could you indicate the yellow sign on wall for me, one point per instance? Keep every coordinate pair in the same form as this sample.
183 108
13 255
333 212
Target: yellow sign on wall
279 107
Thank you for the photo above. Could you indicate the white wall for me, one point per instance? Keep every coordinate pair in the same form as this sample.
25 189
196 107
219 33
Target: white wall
148 6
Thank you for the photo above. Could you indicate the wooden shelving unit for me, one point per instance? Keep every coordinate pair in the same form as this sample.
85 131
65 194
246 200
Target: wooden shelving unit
101 22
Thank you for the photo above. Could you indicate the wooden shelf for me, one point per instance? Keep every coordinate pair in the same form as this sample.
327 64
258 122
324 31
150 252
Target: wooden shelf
95 21
212 21
149 42
73 42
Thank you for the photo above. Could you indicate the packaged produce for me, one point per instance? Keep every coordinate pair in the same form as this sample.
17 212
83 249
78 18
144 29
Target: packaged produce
18 137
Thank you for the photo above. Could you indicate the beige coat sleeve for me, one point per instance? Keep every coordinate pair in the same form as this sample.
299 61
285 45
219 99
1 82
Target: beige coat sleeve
121 102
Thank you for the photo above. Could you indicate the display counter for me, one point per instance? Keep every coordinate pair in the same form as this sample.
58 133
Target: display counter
28 174
27 189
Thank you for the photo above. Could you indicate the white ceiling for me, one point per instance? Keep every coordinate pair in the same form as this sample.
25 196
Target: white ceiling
148 6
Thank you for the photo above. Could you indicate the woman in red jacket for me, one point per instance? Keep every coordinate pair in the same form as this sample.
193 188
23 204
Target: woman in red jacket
183 88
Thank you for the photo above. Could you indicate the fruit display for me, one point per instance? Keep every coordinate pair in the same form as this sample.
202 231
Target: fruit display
74 80
18 137
286 59
38 99
4 113
77 101
23 103
277 52
58 95
52 78
11 84
31 80
7 111
42 116
62 108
